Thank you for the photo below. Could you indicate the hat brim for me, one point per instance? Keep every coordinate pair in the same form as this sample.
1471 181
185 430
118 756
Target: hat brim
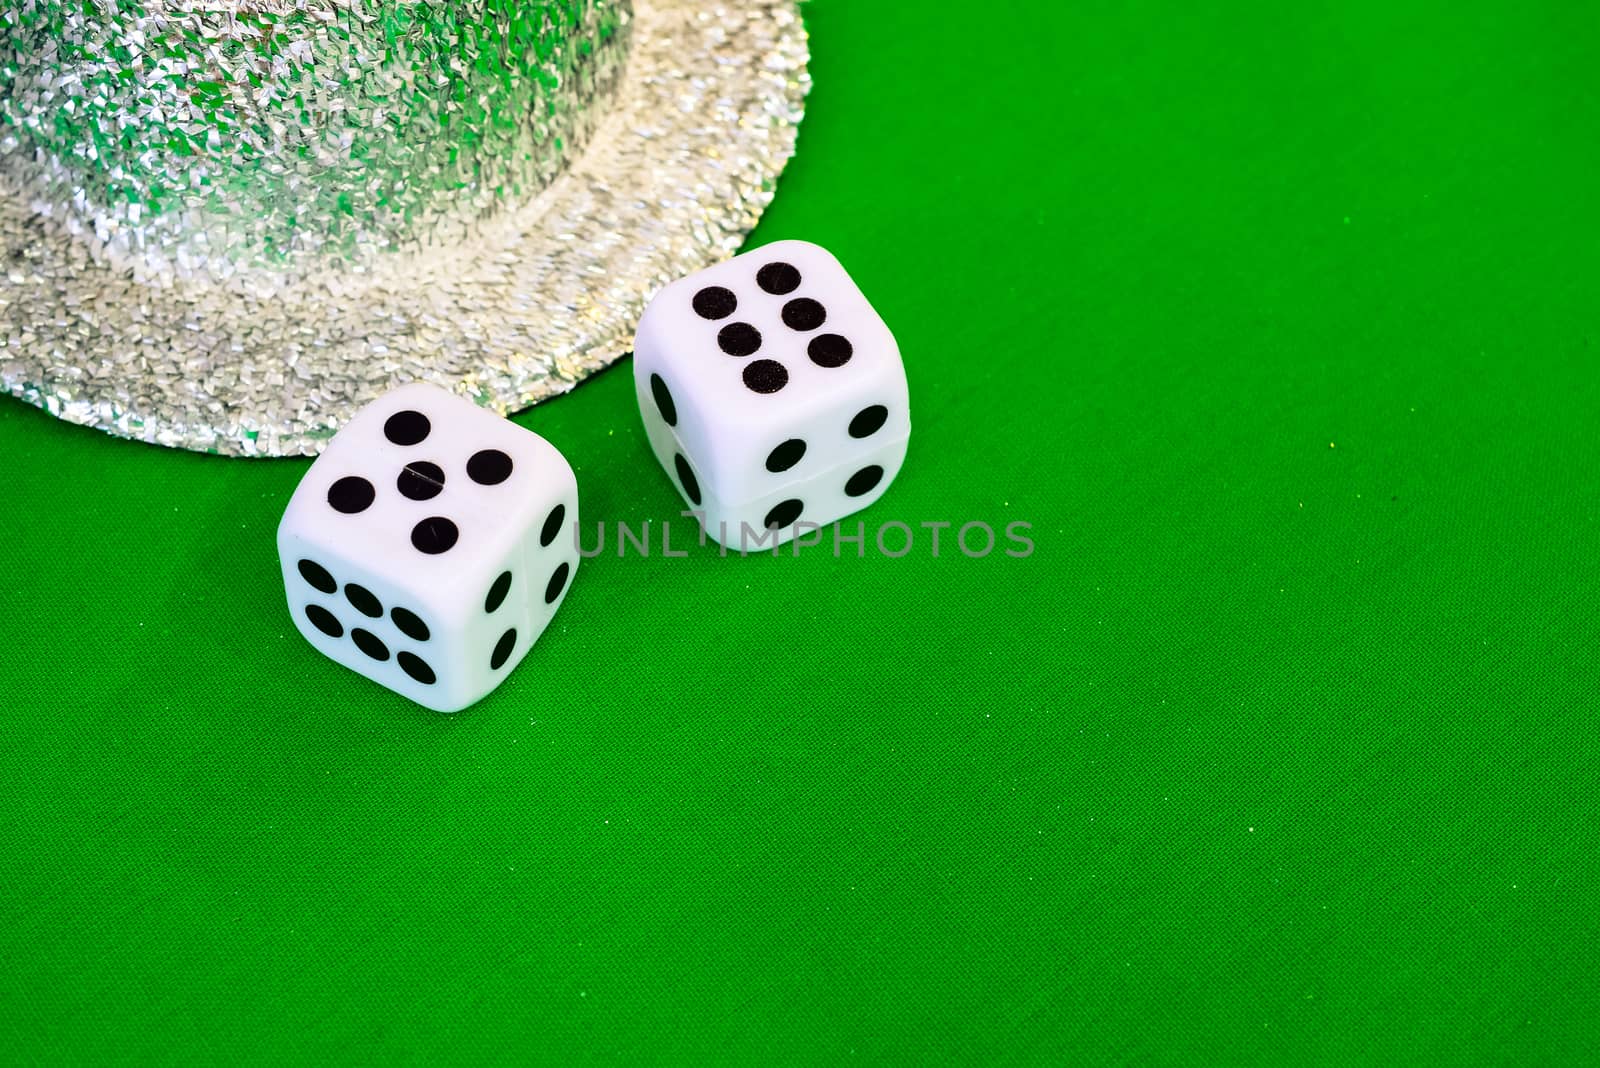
674 177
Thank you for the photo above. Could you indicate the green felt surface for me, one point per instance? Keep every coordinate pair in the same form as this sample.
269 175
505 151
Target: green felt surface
1277 323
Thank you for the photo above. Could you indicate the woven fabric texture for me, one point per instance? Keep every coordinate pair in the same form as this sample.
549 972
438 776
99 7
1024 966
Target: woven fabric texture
1278 325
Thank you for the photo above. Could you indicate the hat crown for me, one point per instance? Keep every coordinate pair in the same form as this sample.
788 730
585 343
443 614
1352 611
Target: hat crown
182 137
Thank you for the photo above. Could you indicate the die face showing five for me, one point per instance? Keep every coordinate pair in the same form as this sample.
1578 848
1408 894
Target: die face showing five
771 378
430 545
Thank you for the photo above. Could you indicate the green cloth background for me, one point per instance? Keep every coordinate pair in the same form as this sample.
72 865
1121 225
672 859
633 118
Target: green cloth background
1277 323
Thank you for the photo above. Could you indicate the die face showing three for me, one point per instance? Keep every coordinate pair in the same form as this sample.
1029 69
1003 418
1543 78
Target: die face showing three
771 391
430 545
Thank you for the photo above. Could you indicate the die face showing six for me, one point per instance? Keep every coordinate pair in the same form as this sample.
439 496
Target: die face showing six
430 545
391 634
768 370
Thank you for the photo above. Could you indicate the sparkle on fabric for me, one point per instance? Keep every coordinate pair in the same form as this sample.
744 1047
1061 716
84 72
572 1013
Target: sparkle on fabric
225 226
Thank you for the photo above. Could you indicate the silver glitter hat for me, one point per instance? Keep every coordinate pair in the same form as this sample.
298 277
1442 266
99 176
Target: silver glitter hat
227 224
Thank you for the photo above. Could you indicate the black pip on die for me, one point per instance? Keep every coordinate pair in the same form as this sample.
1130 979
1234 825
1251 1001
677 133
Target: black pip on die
772 393
430 545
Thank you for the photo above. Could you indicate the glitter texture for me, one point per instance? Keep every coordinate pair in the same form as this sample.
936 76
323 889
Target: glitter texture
226 226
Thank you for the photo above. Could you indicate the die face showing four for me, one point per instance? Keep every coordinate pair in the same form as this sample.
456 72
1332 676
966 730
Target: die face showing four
430 545
769 381
794 509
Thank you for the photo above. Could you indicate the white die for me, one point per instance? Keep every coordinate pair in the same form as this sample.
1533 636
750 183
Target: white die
771 392
429 545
